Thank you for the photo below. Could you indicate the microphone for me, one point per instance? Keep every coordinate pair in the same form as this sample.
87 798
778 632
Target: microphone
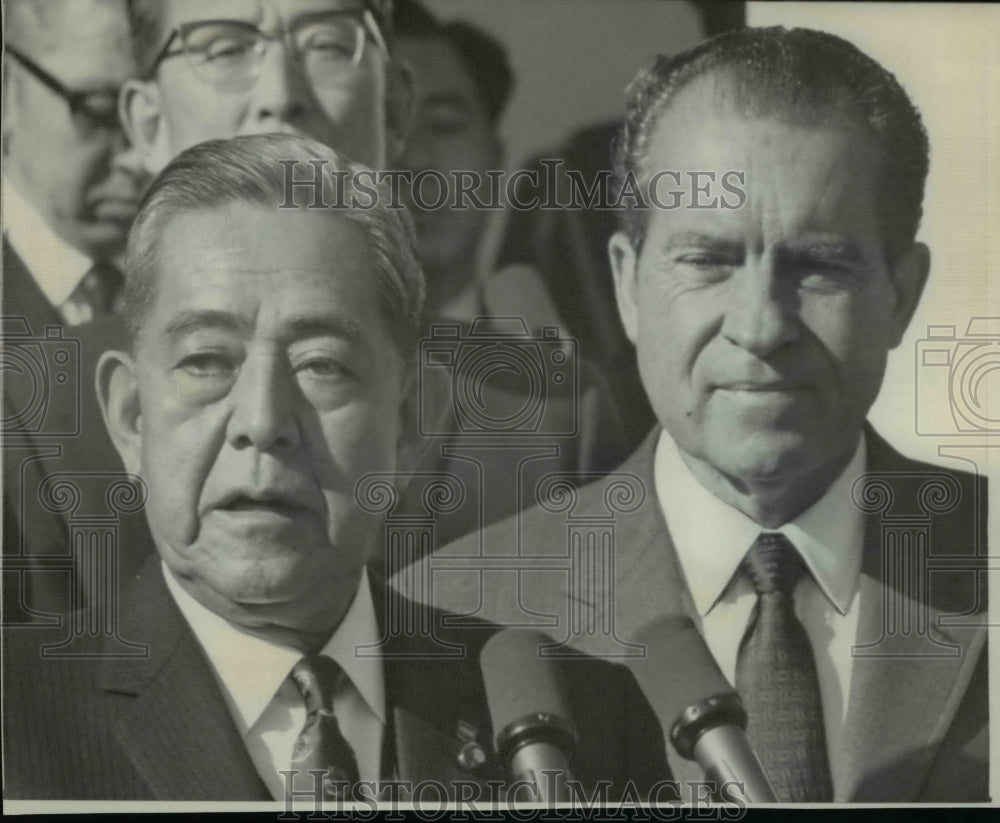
702 714
532 724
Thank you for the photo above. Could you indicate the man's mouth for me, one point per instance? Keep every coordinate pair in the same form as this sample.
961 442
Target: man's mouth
115 210
262 503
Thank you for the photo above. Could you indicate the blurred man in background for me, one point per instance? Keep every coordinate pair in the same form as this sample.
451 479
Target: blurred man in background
70 190
462 83
315 67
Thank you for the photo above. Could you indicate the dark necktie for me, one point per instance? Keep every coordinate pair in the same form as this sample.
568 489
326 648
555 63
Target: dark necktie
97 293
776 677
321 745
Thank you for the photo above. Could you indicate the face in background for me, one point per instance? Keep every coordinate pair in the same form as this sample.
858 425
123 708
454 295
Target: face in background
363 114
267 384
762 332
79 177
451 131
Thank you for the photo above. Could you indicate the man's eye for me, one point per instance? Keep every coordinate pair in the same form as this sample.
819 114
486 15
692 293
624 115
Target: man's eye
331 43
227 48
826 275
208 364
323 368
707 263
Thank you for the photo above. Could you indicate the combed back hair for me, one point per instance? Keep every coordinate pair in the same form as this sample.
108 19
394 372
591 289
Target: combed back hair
146 22
799 76
246 170
483 56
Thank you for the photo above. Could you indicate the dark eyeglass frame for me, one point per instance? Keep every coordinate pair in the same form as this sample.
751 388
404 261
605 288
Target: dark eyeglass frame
363 15
76 99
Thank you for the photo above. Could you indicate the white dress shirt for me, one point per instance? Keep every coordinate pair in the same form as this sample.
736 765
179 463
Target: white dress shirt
56 266
712 538
266 705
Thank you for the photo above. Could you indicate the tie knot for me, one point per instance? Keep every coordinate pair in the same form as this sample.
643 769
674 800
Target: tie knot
773 564
317 678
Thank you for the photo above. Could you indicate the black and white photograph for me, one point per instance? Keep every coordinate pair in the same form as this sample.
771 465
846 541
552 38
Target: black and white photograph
542 408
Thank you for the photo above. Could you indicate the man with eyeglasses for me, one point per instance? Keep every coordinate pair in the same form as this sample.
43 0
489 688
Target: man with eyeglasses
315 67
70 191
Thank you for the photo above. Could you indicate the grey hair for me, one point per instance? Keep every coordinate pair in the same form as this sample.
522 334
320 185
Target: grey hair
252 170
800 76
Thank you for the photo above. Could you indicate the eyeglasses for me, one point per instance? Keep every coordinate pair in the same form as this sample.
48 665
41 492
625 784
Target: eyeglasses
229 53
93 111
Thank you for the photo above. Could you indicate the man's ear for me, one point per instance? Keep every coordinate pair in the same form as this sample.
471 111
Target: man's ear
118 394
909 276
141 114
399 97
625 268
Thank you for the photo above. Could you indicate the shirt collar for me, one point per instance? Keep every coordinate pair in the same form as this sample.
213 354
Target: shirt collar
56 266
252 669
712 537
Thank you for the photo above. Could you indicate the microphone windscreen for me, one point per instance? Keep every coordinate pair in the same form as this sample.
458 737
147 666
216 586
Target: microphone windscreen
678 670
518 682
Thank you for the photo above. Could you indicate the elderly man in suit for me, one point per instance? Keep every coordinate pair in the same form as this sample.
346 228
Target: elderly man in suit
272 354
177 92
833 580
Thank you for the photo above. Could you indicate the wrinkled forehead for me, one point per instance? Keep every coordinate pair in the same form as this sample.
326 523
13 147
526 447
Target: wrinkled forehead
266 13
707 124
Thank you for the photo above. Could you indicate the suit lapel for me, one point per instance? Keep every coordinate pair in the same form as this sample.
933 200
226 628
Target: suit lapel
170 716
905 690
647 569
440 727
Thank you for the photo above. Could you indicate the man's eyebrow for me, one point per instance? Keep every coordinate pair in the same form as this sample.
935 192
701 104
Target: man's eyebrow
194 320
844 251
325 326
683 239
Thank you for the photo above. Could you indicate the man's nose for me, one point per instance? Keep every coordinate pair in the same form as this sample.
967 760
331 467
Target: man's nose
265 400
762 312
281 93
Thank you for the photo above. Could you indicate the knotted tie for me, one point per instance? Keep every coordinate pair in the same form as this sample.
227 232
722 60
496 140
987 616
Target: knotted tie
321 745
776 677
96 294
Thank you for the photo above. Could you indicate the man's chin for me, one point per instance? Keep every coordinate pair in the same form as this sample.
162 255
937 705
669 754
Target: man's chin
768 457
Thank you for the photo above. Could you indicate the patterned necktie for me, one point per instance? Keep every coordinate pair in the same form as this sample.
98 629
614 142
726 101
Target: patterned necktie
321 745
776 677
97 294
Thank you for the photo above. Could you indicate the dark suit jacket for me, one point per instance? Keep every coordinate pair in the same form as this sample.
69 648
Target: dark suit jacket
916 728
54 437
157 726
30 413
